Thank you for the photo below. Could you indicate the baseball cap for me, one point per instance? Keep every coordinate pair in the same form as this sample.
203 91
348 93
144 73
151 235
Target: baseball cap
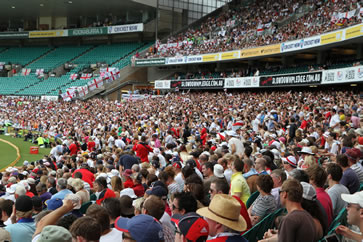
193 226
23 203
309 192
53 204
290 159
75 198
158 191
353 154
128 192
53 233
356 198
218 171
127 172
142 228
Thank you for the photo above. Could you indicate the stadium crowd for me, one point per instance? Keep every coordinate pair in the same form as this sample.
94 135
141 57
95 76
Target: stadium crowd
193 166
258 24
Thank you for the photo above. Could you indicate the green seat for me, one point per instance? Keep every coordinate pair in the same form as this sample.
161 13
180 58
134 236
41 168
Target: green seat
252 198
361 187
257 232
341 218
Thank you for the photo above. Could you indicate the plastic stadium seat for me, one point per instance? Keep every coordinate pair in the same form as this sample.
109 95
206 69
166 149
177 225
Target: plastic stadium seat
256 232
252 198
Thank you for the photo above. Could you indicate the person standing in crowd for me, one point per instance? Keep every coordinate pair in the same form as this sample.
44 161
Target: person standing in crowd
239 186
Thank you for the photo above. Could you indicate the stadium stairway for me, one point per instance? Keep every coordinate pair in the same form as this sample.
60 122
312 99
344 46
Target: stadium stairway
40 57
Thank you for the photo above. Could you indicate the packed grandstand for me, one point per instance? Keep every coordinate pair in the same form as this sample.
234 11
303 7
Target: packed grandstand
246 125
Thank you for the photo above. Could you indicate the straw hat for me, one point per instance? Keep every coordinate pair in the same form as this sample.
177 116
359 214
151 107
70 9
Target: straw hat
225 210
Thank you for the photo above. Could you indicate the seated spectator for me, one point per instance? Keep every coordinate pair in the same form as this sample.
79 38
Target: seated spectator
317 178
335 189
354 155
43 193
239 186
182 203
309 203
354 216
155 207
113 208
349 178
298 225
265 202
224 219
100 214
220 186
138 187
278 176
100 186
192 227
62 189
23 226
141 228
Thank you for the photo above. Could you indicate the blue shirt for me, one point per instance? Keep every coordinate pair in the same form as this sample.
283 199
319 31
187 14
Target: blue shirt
62 193
22 231
251 172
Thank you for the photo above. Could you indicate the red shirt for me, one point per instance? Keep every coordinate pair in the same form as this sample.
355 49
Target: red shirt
128 183
73 149
108 193
326 202
139 190
29 194
244 213
91 145
142 151
87 176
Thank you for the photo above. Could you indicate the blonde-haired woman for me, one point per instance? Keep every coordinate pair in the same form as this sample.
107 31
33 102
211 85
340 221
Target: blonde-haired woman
78 187
116 185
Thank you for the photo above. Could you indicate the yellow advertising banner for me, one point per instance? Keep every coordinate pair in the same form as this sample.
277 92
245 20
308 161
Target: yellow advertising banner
47 34
331 38
230 55
354 32
212 57
265 50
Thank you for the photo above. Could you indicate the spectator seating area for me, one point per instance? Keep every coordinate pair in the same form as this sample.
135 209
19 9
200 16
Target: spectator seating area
23 55
58 57
118 55
256 24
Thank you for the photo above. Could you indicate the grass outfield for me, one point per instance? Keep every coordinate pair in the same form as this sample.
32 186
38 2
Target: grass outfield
8 154
24 147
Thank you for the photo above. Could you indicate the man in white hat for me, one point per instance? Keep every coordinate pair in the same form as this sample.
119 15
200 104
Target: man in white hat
354 216
224 219
235 144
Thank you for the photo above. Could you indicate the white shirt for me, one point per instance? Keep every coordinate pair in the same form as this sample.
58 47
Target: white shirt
334 120
114 235
238 144
119 143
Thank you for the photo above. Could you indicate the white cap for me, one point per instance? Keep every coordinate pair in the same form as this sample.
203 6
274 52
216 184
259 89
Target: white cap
356 198
218 171
128 192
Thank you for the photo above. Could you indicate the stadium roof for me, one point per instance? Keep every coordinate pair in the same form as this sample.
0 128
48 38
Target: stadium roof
69 8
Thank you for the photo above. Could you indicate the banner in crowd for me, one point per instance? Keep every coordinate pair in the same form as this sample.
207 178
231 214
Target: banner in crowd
49 98
39 72
87 31
242 82
125 28
163 84
300 44
291 79
48 33
344 75
73 76
14 35
95 83
25 71
150 62
82 91
196 84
